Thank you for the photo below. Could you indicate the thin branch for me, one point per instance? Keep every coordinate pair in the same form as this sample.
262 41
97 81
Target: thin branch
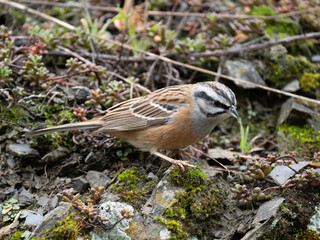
235 80
177 14
35 12
216 53
254 47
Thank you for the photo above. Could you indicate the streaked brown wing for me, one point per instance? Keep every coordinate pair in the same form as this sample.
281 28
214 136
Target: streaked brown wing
154 109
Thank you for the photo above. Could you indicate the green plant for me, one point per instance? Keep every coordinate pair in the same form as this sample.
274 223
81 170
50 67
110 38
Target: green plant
11 209
244 134
5 73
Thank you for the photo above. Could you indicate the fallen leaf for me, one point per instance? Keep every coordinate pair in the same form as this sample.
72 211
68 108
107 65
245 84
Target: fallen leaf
135 17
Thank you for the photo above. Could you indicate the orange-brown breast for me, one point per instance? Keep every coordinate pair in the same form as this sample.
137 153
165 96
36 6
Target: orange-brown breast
175 135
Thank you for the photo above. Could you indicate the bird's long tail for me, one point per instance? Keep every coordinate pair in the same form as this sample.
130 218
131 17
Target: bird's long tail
91 124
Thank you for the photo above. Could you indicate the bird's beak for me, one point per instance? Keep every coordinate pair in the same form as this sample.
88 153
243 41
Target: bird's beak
233 112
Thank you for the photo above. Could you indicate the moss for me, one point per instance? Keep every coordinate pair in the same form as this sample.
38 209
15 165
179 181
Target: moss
12 115
303 134
174 227
197 204
188 179
66 116
281 27
132 185
306 235
263 11
304 141
288 68
309 81
69 228
16 235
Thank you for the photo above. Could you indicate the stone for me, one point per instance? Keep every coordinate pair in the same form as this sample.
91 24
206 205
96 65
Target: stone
96 178
152 177
112 211
57 214
268 209
22 150
277 52
315 58
55 155
280 174
33 219
81 93
292 86
80 184
162 197
25 198
43 201
142 227
223 154
244 70
294 113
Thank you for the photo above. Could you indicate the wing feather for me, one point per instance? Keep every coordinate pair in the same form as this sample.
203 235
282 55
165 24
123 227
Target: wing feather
155 109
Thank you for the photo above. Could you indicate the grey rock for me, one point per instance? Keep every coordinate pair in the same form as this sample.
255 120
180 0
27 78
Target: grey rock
315 58
54 201
96 178
80 184
51 218
33 219
244 70
281 174
22 150
67 167
223 154
165 234
294 113
112 211
162 196
10 161
25 198
268 209
81 93
142 227
277 52
55 155
292 86
152 177
43 200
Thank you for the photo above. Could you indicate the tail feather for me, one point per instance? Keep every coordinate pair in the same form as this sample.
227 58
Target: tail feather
91 124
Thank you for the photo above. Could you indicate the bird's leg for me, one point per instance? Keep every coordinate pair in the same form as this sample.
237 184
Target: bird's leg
183 154
179 163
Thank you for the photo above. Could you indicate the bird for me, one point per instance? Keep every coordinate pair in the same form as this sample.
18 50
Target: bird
170 118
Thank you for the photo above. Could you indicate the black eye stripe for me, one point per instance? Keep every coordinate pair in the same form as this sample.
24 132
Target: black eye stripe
203 95
221 105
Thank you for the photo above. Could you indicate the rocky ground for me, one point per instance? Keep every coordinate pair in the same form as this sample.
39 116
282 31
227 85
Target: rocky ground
256 179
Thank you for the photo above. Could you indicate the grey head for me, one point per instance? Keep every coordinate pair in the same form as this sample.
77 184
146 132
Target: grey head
214 100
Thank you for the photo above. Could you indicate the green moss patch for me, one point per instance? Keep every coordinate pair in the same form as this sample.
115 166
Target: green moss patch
195 209
132 186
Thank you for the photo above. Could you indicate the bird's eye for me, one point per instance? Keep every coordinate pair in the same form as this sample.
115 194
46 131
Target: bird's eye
220 105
